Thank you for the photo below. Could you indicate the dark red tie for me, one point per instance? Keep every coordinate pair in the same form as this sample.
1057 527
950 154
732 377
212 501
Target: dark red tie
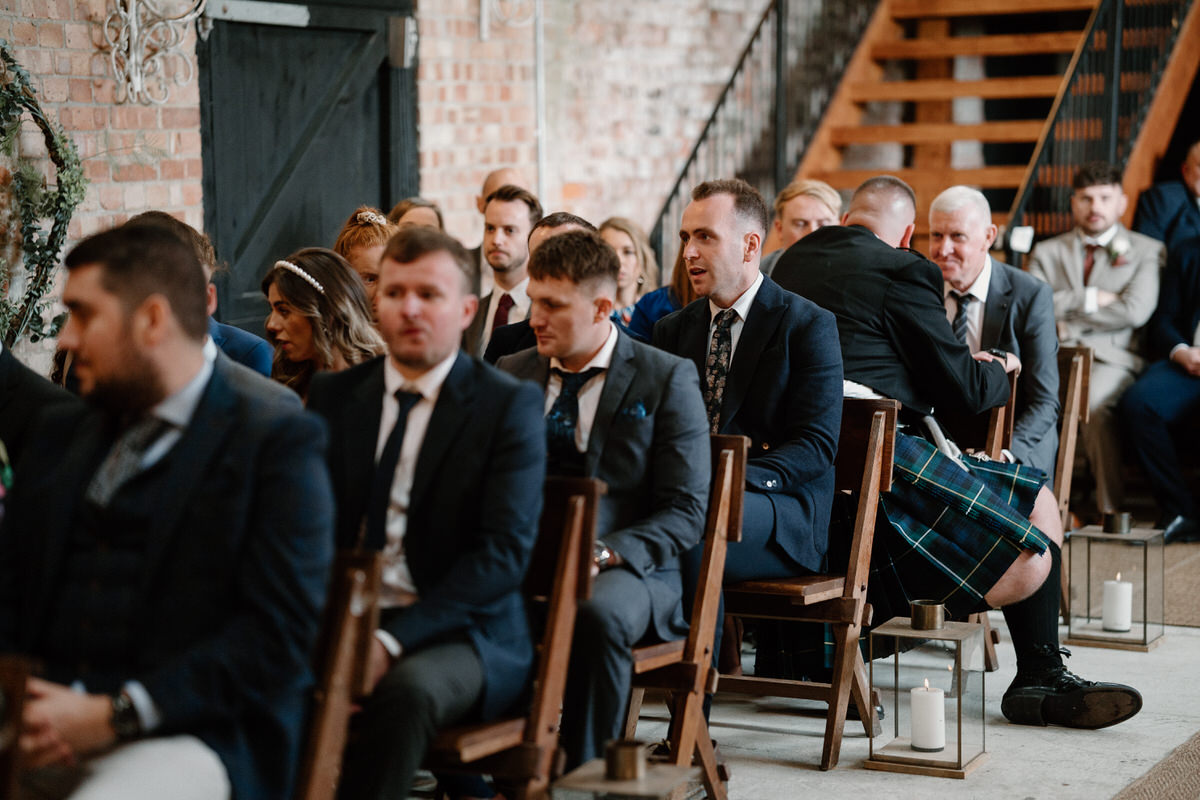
1089 261
503 306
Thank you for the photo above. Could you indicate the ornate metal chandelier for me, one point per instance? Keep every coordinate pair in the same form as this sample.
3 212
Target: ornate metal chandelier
145 38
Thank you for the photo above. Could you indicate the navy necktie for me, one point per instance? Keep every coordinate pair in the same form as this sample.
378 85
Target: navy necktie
960 319
385 471
564 415
716 367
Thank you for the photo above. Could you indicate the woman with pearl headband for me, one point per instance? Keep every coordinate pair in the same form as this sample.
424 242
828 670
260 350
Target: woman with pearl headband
320 318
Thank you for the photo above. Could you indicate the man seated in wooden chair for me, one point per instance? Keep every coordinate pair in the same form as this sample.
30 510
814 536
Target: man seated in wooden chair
632 416
770 370
433 463
971 533
167 548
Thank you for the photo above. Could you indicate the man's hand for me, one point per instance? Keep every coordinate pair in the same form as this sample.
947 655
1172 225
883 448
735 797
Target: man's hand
1011 363
1188 359
1106 298
60 725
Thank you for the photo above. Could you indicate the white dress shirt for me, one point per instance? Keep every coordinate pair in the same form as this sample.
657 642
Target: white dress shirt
742 307
979 291
398 588
1091 300
589 393
518 312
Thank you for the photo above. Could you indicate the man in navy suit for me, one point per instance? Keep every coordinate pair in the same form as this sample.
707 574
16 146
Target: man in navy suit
23 395
770 369
434 462
242 346
991 305
1164 400
167 548
1170 211
632 416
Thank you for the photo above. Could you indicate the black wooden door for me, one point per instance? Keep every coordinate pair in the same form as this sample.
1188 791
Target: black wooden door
302 120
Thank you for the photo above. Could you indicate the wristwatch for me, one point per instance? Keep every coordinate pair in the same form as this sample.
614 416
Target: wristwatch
602 556
998 353
125 721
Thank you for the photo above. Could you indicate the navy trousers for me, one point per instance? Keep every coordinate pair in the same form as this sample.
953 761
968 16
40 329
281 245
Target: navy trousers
1153 413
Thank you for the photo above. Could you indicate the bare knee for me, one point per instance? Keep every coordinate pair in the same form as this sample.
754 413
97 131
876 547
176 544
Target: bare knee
1020 580
1046 517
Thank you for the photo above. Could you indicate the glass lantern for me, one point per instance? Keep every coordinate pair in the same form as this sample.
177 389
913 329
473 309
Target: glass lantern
932 686
1116 589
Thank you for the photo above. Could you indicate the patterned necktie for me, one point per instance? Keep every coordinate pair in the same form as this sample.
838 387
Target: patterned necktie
385 471
124 460
960 319
1089 261
564 414
716 367
503 306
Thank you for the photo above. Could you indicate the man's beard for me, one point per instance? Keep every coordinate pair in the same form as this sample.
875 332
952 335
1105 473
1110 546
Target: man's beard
129 393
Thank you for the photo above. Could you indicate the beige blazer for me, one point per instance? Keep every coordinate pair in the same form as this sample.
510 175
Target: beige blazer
1109 331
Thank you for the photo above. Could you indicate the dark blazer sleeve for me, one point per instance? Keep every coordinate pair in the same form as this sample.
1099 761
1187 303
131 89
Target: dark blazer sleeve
1168 325
1157 209
810 417
679 469
510 504
1038 382
282 576
942 366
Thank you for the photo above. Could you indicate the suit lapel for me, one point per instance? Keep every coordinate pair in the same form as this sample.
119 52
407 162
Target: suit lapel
693 335
1074 261
999 300
360 421
450 415
616 384
202 440
760 324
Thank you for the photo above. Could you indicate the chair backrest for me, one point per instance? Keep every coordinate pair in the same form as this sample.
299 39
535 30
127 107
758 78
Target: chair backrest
1074 375
14 671
560 575
864 464
723 525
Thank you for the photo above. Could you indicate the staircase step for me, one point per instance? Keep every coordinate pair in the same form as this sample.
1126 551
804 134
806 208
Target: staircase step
984 177
925 9
941 89
938 133
1001 45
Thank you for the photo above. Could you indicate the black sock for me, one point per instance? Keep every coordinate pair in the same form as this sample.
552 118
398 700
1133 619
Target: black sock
1033 622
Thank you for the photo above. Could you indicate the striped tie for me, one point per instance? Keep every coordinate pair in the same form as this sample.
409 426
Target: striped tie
960 319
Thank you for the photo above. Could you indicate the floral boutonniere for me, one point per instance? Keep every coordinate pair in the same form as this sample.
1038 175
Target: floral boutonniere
1117 249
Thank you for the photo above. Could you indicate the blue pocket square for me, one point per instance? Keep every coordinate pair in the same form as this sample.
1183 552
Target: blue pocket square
637 410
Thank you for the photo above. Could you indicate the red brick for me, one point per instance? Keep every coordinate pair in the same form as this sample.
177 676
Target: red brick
79 36
55 90
97 170
24 33
192 194
80 90
195 168
111 196
134 172
50 34
171 170
181 118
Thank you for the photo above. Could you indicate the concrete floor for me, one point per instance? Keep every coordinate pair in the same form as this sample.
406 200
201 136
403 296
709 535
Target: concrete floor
773 746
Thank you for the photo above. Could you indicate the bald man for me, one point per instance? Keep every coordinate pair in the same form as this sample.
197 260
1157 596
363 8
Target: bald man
972 534
482 278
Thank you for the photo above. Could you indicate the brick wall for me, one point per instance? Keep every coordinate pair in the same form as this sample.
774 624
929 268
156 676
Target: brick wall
629 85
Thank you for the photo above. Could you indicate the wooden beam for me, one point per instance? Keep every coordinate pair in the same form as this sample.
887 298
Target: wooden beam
948 89
924 9
999 45
983 177
936 133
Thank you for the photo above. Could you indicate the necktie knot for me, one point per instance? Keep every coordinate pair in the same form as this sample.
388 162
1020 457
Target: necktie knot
725 319
503 306
407 398
960 324
563 419
572 382
124 460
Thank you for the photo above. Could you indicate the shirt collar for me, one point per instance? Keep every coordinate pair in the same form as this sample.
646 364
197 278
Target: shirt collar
429 383
602 359
1102 240
743 303
179 408
978 289
518 293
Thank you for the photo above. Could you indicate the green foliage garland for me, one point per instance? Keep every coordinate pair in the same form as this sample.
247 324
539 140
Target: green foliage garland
35 201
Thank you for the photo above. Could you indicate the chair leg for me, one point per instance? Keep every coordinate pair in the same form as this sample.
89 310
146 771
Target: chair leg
713 786
635 710
991 662
864 698
845 639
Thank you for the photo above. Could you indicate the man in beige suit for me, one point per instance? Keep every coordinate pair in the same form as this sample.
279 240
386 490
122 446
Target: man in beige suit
1105 282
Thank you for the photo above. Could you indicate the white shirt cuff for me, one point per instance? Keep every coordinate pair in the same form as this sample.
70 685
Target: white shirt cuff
1176 349
1008 456
389 643
1091 302
147 710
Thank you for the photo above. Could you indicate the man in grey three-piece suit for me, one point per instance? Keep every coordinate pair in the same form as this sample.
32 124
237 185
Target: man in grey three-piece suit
632 416
1105 281
990 306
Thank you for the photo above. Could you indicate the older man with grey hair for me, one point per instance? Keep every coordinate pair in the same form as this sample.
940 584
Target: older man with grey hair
993 306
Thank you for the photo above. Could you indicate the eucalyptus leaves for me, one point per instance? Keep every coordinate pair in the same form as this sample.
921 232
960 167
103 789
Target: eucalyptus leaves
37 204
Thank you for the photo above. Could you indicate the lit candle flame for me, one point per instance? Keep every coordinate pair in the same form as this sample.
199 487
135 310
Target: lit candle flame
927 684
1118 576
950 668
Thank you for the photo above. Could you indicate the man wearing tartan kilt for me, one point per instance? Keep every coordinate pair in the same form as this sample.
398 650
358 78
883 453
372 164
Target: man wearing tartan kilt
970 533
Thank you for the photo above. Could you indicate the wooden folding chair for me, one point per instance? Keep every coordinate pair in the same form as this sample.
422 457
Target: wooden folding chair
14 672
1074 375
522 750
684 667
864 464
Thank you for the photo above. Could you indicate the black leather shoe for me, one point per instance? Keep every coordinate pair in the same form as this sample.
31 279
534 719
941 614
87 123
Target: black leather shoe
1181 529
1056 696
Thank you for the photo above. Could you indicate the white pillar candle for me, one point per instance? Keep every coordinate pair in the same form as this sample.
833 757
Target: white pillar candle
928 719
1118 605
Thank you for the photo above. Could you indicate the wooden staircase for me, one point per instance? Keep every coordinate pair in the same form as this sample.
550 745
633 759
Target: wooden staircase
907 58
